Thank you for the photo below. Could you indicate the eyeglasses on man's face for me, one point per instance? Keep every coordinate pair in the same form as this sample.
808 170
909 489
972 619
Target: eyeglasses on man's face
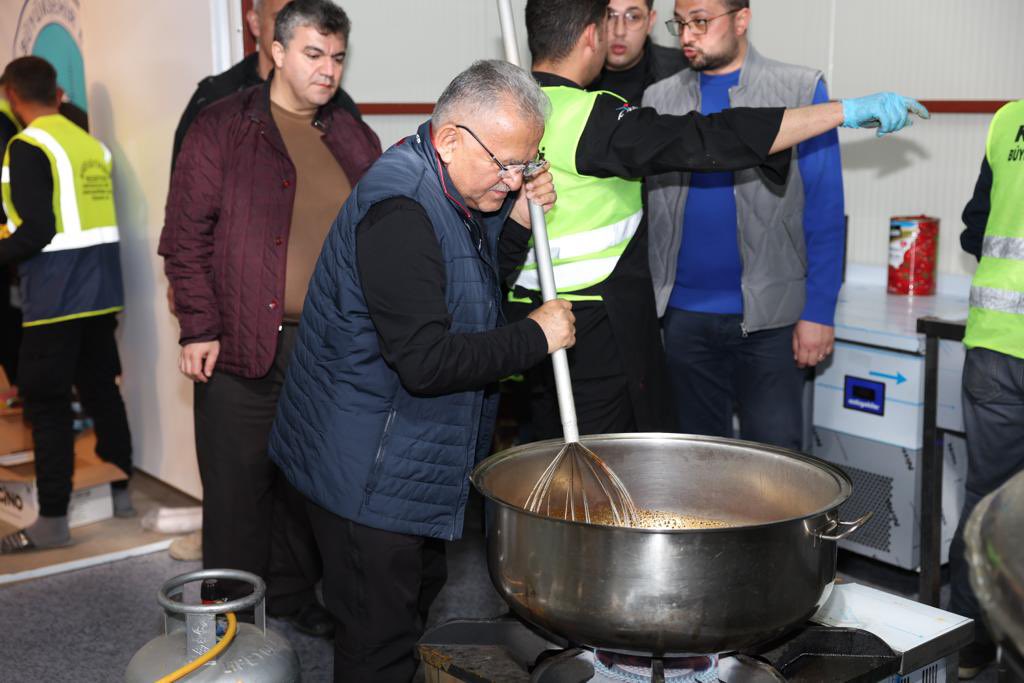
633 19
698 27
507 170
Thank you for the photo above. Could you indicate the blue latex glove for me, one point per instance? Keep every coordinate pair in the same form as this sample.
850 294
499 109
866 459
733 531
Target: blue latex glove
887 111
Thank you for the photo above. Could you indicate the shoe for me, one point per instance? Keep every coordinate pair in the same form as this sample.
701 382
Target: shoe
187 548
313 620
19 542
974 658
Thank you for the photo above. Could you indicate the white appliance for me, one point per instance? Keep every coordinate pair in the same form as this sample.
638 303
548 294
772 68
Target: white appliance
869 413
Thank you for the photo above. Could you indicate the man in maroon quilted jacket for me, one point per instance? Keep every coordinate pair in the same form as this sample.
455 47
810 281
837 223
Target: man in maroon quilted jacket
259 180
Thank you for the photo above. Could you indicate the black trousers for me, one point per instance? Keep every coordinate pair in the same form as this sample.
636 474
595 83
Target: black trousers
79 353
993 401
379 585
10 330
253 519
713 367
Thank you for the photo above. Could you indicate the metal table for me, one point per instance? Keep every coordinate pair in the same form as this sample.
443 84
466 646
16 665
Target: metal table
935 329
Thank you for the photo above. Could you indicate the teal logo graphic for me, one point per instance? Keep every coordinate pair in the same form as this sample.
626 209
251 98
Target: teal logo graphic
50 29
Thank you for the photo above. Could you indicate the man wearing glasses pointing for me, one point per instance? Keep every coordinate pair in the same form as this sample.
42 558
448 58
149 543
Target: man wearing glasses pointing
599 147
746 272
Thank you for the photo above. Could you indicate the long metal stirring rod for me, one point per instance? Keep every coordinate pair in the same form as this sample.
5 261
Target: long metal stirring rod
542 251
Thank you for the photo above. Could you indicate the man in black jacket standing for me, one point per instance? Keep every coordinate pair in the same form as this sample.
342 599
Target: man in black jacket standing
634 62
251 71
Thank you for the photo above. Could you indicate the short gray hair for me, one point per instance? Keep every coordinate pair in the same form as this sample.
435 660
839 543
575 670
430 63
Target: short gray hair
487 85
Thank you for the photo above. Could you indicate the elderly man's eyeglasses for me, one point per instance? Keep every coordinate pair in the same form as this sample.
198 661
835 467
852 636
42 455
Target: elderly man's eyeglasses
697 26
634 19
507 170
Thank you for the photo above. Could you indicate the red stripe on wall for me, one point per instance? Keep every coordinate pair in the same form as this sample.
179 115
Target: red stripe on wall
963 106
934 106
395 108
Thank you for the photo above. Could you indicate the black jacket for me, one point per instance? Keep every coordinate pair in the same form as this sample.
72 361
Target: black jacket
657 63
243 75
976 212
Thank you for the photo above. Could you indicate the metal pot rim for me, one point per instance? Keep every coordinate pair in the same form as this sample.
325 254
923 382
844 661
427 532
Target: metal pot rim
842 479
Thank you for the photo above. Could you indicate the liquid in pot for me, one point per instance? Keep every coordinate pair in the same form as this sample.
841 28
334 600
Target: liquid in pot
661 519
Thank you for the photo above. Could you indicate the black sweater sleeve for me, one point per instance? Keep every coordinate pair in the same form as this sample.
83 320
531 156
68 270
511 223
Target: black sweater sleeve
32 197
403 278
513 245
976 212
631 142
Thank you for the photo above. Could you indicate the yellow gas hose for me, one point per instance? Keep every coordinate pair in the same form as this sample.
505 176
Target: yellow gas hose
229 635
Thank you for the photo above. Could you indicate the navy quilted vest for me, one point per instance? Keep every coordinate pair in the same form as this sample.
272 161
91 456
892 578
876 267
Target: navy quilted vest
347 434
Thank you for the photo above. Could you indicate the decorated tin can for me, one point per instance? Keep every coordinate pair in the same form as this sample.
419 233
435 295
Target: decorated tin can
913 245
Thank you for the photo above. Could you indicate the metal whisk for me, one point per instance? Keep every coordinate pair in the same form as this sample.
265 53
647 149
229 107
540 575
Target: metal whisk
576 482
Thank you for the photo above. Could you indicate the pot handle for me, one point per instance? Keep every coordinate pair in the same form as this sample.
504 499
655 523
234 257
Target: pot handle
847 528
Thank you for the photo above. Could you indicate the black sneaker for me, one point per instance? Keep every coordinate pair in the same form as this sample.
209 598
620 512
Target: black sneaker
974 658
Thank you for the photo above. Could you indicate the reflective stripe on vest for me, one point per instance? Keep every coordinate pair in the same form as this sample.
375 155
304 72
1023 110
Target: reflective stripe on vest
594 219
83 203
995 246
996 317
571 274
1001 300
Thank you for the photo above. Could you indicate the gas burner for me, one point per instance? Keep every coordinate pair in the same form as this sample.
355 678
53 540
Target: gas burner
862 636
612 666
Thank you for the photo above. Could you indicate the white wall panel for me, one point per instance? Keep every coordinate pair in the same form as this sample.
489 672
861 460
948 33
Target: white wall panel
930 49
140 75
929 168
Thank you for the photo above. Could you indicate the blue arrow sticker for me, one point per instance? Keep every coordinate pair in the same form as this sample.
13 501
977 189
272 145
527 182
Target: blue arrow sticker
899 377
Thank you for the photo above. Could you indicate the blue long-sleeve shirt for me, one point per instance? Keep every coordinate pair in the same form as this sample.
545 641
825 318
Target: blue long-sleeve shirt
709 268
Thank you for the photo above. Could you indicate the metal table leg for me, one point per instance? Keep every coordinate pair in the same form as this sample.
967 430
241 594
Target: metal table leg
931 482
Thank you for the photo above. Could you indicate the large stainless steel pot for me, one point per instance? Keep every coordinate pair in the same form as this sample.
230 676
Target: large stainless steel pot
670 591
996 557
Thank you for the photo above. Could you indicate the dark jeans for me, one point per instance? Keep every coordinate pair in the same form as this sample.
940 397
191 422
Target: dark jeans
713 367
379 585
253 519
79 353
993 400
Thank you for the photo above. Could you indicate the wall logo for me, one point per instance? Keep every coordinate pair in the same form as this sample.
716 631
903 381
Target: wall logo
51 29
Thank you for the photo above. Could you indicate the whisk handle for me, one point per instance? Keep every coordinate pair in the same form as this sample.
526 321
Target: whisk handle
566 405
563 383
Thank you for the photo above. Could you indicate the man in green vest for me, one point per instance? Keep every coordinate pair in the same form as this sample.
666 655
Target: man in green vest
58 196
600 147
993 385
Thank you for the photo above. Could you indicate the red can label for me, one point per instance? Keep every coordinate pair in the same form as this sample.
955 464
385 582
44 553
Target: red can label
913 245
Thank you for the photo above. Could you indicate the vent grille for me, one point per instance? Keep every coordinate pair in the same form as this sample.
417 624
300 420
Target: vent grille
871 493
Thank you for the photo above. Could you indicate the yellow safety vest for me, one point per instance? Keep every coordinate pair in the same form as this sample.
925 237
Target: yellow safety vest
996 317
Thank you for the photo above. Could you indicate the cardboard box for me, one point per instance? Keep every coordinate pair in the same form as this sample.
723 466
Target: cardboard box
91 499
15 435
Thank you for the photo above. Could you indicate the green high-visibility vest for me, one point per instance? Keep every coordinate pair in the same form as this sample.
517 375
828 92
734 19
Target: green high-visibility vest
78 274
594 219
83 194
996 317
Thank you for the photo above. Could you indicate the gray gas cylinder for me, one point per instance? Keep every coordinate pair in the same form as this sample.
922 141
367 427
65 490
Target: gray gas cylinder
256 655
